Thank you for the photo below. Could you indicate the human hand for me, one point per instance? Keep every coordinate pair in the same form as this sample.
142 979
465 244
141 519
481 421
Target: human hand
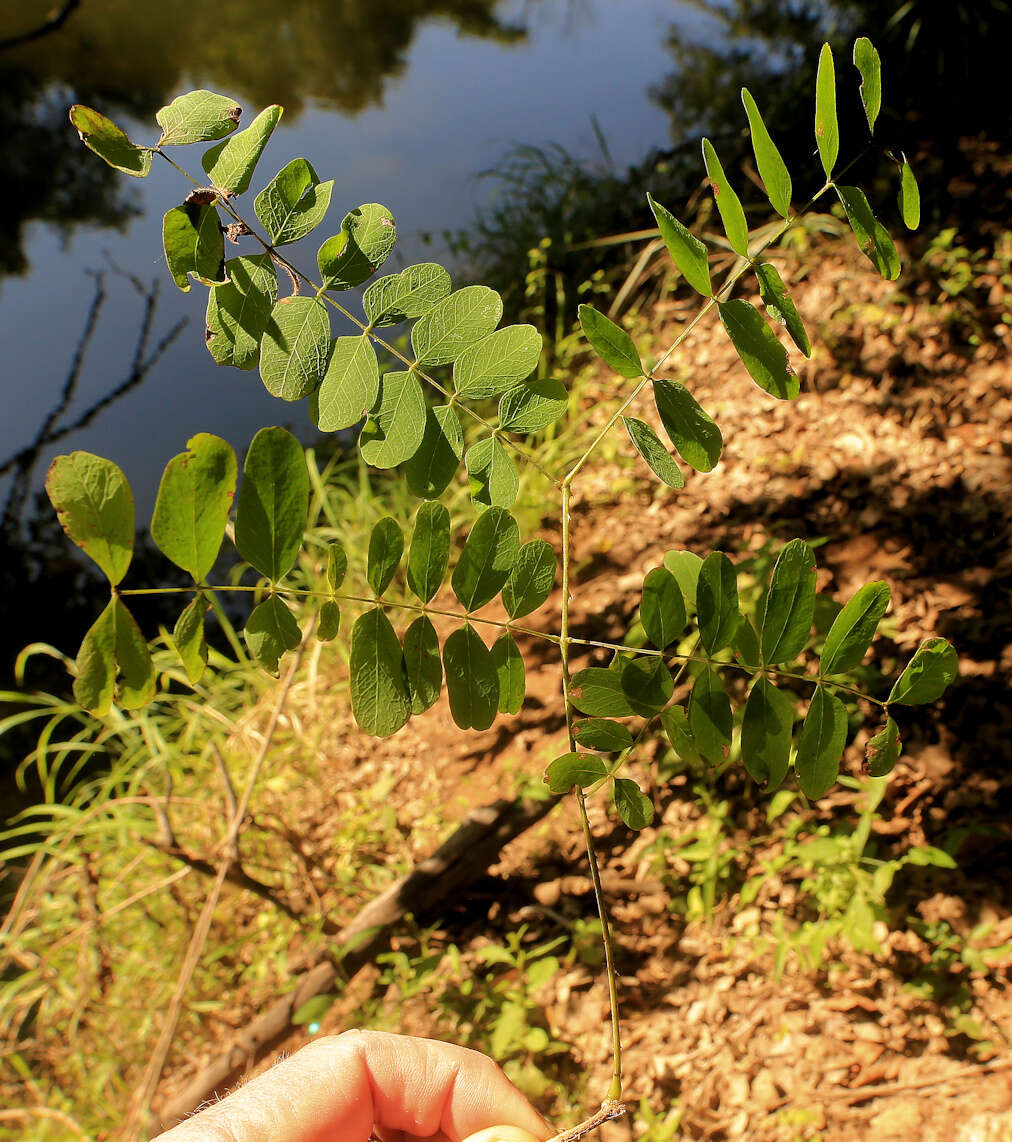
362 1084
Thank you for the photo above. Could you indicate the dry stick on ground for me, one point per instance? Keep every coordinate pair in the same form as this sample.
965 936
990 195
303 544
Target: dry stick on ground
460 860
153 1072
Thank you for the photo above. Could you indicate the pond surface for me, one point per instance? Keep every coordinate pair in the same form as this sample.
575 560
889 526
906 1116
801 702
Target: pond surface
402 102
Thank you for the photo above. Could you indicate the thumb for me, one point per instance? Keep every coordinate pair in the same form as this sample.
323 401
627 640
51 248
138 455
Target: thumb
502 1134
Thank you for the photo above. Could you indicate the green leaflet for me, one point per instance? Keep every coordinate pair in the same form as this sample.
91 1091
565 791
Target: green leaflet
685 566
497 362
193 504
657 457
193 245
197 117
821 743
432 467
728 202
610 342
531 579
472 683
867 62
229 165
429 556
114 644
337 565
686 250
827 130
189 640
662 608
379 690
328 622
293 203
909 197
780 305
386 546
746 645
647 685
368 234
396 425
487 558
350 384
772 168
709 717
532 406
717 602
492 474
871 235
598 691
273 503
509 668
883 750
293 353
574 769
633 805
238 311
411 293
786 613
766 734
928 673
270 630
676 727
854 628
102 136
96 509
603 734
466 316
423 664
761 353
690 429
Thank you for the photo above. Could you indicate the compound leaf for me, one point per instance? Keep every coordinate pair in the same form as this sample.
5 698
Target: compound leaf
197 117
686 250
239 311
509 667
379 690
780 306
423 665
647 684
868 63
574 769
766 734
690 429
466 316
411 293
531 579
827 129
487 558
871 235
368 234
350 384
194 500
102 136
396 425
662 608
429 556
633 805
492 474
603 734
709 717
717 602
273 502
786 613
854 628
883 750
821 743
270 630
497 362
229 165
95 508
432 467
760 351
293 203
772 168
610 342
927 675
728 202
472 682
532 406
194 245
386 546
293 353
657 457
598 691
189 639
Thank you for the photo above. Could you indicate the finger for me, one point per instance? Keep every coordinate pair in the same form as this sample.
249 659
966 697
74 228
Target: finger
342 1086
